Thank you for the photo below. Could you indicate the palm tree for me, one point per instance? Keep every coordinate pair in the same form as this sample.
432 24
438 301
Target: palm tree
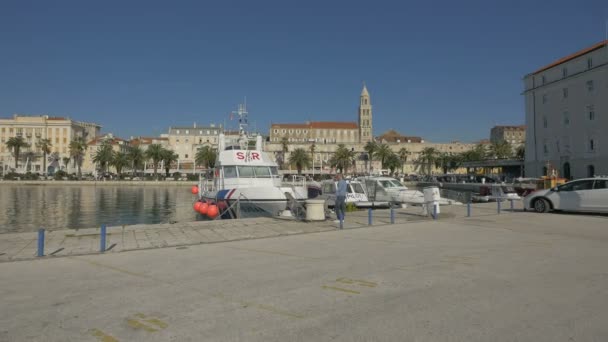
205 156
520 152
66 160
427 158
119 161
155 153
392 162
16 144
383 153
168 157
284 149
371 147
300 158
104 155
28 158
501 150
77 149
136 157
403 154
45 146
342 158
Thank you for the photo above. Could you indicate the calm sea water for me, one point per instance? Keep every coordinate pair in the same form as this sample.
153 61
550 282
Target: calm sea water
26 208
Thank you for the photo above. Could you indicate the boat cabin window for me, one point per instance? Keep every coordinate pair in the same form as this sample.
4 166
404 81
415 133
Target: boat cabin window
230 172
262 171
386 184
356 188
329 188
397 183
246 172
274 171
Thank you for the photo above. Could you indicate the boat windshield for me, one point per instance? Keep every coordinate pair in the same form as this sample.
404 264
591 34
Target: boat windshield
230 172
274 171
390 184
262 172
356 188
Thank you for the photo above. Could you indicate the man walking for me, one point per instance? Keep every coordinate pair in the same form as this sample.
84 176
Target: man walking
340 206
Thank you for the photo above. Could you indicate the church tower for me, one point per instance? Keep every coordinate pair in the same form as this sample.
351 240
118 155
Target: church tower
365 117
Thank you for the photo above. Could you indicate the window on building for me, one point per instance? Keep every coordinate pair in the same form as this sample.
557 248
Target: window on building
186 140
544 98
566 119
186 156
543 79
590 86
565 92
545 148
305 131
565 72
591 145
589 63
283 131
544 121
276 131
298 131
591 171
591 112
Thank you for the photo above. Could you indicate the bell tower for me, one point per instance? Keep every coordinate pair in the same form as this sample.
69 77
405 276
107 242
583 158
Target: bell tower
365 117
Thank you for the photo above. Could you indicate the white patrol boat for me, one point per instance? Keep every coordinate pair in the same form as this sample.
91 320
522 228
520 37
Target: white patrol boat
245 182
382 188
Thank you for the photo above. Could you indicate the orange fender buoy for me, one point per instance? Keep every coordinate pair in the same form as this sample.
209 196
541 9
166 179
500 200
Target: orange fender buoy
197 205
212 211
203 208
194 189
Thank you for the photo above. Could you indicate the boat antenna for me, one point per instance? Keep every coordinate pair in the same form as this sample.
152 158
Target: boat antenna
241 113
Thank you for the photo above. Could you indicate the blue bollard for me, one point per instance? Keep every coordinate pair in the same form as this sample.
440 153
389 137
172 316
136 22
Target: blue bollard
102 241
469 209
369 216
341 223
512 209
40 242
392 215
435 211
498 206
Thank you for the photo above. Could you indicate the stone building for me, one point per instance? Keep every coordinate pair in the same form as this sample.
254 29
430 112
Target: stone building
59 130
514 135
567 115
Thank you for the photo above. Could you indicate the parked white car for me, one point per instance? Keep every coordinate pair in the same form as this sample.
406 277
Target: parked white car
586 195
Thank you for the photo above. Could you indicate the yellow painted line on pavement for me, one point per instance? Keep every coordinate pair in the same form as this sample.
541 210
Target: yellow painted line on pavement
135 324
339 289
357 282
152 320
103 337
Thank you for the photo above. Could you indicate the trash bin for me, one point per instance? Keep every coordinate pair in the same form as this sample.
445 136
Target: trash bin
315 210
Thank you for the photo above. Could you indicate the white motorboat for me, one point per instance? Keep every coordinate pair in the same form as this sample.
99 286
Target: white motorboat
249 177
391 190
355 193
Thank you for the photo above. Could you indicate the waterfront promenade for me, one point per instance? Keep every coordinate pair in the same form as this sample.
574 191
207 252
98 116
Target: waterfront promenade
510 277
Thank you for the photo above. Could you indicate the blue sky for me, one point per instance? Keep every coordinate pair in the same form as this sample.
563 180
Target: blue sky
443 70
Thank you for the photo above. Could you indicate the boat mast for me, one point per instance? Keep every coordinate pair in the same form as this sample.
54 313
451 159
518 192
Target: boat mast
242 115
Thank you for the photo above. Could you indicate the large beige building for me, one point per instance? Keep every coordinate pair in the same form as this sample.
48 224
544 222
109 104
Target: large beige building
567 115
514 135
93 145
59 130
327 132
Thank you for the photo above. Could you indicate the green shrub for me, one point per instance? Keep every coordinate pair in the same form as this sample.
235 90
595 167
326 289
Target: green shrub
60 174
350 207
12 176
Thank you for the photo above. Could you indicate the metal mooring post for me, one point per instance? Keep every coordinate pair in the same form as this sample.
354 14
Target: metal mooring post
369 216
341 223
102 237
40 242
498 205
512 209
469 209
435 211
392 215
